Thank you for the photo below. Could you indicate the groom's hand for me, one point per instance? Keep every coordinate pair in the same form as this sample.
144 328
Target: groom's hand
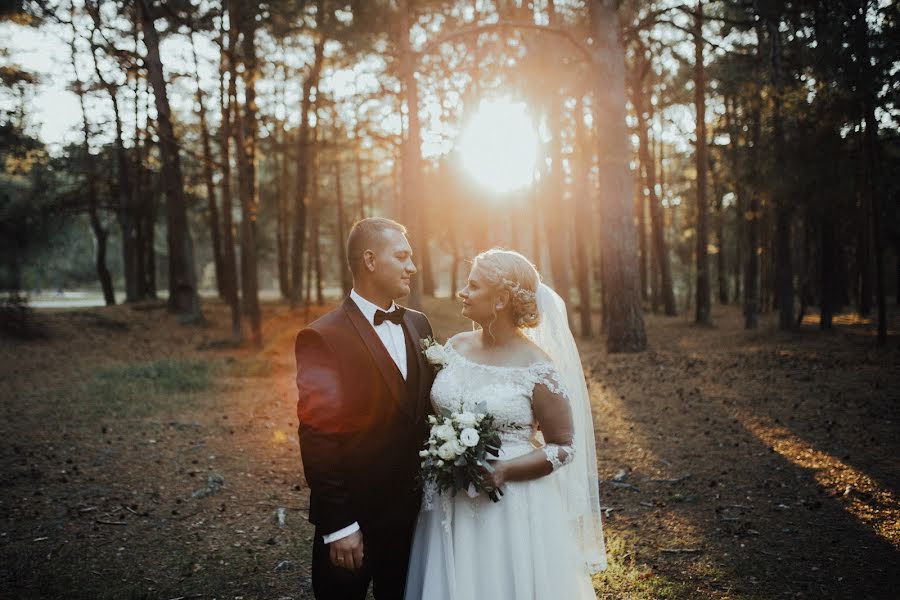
347 552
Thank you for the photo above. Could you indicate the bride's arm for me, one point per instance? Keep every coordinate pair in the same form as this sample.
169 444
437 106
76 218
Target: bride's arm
555 417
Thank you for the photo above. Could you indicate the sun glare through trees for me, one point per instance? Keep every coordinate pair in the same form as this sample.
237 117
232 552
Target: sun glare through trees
499 145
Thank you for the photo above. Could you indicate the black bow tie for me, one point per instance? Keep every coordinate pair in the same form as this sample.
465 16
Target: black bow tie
395 316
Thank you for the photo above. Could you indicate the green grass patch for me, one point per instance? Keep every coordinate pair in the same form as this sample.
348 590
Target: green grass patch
254 366
164 376
142 389
626 577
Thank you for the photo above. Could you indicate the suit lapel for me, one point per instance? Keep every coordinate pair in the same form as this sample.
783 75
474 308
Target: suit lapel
416 336
380 355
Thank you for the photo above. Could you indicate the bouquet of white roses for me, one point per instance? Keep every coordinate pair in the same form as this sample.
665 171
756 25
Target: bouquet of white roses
456 454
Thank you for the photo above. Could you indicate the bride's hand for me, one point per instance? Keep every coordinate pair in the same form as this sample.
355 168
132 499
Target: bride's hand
497 478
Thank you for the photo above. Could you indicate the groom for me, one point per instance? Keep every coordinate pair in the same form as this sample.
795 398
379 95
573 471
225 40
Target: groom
363 401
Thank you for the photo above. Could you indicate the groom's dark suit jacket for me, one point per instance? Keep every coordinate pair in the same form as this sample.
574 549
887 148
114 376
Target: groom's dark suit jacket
361 424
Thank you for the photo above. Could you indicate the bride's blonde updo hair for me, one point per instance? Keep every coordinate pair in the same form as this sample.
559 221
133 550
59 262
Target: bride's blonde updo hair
510 271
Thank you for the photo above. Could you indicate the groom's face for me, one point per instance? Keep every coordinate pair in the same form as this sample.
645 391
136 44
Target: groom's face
392 265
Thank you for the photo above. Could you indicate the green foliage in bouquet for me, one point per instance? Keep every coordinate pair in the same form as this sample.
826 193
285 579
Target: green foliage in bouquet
458 450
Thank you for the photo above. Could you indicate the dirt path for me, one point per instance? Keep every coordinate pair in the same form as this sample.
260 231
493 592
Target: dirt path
735 464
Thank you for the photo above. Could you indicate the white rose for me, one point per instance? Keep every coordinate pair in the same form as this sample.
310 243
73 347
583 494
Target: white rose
458 447
469 437
435 355
445 432
447 451
432 420
424 453
466 419
440 463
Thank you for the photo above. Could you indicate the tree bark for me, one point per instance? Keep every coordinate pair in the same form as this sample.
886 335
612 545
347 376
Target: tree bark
100 233
621 283
246 131
872 192
183 297
783 255
125 210
752 270
657 224
211 204
702 315
583 220
228 67
298 234
346 282
411 157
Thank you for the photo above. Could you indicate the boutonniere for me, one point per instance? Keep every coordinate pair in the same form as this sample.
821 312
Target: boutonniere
434 353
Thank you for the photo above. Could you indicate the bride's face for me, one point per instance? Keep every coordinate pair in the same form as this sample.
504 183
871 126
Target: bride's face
478 298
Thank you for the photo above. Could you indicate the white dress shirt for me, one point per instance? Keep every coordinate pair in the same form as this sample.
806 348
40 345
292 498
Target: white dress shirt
391 336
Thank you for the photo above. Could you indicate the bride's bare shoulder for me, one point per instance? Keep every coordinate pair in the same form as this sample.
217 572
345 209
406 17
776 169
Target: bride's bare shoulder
462 339
534 352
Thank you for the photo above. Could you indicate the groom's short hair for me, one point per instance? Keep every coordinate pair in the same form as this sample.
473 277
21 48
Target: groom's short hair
364 236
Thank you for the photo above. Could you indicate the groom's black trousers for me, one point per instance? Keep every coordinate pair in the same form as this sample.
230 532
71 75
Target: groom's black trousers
385 562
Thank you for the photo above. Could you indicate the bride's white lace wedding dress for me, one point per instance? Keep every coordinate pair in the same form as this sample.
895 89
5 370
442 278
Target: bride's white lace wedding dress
520 548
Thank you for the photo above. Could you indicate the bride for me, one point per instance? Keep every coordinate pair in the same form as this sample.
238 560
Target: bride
543 539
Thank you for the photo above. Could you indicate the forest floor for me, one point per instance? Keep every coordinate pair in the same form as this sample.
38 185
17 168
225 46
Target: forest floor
144 459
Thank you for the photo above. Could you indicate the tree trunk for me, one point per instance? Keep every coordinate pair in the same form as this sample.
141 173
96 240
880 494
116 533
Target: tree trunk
734 156
702 315
411 157
621 283
100 234
139 198
298 235
124 210
583 220
211 205
657 225
183 297
721 265
346 282
751 273
229 259
783 255
872 192
283 228
246 130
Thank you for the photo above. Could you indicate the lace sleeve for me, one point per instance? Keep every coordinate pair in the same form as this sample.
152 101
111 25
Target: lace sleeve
558 454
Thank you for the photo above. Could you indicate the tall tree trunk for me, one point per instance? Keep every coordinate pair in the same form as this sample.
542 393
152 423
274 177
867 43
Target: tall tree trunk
298 234
211 204
621 283
734 159
657 225
872 192
360 189
124 210
721 265
246 131
139 198
283 230
100 233
702 315
228 66
183 297
783 254
346 282
583 220
751 273
411 157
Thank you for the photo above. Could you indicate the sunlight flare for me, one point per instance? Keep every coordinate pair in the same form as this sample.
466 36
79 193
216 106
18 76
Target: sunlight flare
499 145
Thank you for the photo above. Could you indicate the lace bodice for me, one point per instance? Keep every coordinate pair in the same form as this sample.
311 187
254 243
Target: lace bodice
507 392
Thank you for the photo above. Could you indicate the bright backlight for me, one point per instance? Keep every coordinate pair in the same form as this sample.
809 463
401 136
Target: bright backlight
499 145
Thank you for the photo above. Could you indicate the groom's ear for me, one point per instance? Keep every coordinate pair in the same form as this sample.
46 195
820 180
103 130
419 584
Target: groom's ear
369 260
